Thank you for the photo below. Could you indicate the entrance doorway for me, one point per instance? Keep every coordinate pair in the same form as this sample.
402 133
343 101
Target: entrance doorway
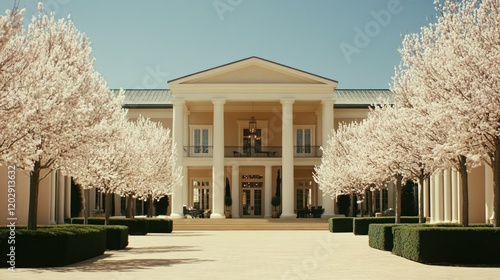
252 188
304 194
201 194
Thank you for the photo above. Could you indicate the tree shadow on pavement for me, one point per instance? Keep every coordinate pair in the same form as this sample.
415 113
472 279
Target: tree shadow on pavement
105 263
114 260
157 249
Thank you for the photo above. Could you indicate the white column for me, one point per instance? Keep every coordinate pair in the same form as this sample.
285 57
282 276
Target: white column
218 160
268 191
454 197
67 197
185 186
381 199
235 191
326 127
53 195
440 196
488 192
287 159
432 190
447 195
319 139
185 193
391 188
61 188
178 137
434 198
426 198
439 192
459 196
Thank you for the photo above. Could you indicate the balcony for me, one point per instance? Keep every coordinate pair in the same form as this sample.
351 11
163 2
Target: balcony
262 151
253 152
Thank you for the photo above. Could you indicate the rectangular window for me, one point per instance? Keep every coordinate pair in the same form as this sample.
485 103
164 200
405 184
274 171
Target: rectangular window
304 140
204 140
300 141
201 142
197 140
307 141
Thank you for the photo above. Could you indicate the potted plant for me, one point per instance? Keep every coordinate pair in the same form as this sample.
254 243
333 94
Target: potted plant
228 201
275 201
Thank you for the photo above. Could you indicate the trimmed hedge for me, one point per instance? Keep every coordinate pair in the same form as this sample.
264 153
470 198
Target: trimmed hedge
361 225
158 225
50 246
136 226
90 221
117 237
448 245
381 236
340 224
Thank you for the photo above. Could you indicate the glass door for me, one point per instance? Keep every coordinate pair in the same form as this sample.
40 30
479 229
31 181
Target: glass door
201 194
251 199
304 195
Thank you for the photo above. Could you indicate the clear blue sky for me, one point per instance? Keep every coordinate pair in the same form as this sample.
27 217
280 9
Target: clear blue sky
143 44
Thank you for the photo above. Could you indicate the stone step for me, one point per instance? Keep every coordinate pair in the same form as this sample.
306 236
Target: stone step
250 224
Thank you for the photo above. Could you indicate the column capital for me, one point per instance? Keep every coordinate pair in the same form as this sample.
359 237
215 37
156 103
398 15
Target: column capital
328 101
178 102
287 101
219 101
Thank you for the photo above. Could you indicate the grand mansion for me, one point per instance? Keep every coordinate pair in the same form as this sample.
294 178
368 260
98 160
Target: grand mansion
254 127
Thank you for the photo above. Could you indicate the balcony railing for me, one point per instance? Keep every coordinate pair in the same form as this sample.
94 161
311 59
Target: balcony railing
253 152
198 151
263 151
307 151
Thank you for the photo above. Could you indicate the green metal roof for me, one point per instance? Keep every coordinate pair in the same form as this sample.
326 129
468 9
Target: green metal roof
146 98
362 98
344 98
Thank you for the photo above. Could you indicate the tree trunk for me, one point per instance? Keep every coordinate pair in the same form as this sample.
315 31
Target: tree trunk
33 202
465 191
151 208
84 205
130 206
374 202
107 208
421 218
352 212
495 163
399 178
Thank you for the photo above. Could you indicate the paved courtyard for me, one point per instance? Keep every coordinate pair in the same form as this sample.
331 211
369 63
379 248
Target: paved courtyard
251 255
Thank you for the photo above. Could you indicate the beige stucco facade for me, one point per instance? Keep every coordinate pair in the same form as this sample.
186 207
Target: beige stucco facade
208 113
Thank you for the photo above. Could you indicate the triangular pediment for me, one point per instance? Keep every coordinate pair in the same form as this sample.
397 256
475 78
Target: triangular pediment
252 70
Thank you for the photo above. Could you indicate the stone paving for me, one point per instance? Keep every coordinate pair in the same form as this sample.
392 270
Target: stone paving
251 255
